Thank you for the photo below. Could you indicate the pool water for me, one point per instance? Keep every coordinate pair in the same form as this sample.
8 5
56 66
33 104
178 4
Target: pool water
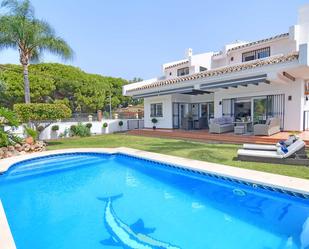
89 200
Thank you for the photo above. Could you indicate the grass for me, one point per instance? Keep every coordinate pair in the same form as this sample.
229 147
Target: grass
217 153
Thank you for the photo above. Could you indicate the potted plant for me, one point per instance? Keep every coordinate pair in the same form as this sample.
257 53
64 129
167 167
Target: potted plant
154 121
105 125
120 123
54 130
31 135
89 125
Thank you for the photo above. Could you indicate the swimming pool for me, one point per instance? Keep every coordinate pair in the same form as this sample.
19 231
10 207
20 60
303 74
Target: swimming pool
92 200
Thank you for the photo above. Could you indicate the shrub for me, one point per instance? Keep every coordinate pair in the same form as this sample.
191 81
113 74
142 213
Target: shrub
41 112
40 128
65 133
80 130
31 132
154 120
89 125
7 118
73 129
120 123
105 125
55 128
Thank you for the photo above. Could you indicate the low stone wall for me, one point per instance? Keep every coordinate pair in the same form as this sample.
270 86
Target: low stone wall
21 149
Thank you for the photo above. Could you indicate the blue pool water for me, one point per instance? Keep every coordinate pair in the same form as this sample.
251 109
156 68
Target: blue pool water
88 200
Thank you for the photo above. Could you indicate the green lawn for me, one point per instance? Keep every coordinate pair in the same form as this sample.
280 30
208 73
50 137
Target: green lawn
218 153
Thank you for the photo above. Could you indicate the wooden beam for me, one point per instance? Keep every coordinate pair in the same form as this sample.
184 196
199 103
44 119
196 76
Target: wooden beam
289 76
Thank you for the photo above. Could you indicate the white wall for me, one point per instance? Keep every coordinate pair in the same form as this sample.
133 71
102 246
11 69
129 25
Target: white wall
293 109
281 46
166 120
113 126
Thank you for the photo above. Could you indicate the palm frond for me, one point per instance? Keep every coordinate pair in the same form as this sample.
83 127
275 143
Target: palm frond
55 45
21 8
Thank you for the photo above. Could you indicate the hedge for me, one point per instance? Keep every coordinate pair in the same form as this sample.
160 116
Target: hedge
41 112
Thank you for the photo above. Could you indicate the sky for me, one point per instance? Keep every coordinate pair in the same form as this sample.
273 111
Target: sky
133 38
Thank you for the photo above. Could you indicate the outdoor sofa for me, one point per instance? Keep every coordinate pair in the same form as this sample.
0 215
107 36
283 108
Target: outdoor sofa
272 126
221 125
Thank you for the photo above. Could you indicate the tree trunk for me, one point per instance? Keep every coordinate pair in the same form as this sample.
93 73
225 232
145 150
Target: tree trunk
26 84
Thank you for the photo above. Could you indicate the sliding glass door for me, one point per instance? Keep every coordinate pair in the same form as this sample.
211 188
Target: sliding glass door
179 111
259 110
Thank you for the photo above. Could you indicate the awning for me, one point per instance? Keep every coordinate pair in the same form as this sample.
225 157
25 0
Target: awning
253 80
208 88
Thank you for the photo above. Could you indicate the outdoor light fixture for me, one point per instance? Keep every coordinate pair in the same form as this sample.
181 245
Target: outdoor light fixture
290 98
220 102
307 98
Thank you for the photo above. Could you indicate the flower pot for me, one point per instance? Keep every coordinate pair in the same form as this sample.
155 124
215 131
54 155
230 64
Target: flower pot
29 140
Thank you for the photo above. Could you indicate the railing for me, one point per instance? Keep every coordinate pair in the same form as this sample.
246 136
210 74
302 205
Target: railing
88 117
306 121
135 124
81 117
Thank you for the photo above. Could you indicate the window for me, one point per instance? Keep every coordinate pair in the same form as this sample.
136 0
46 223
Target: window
156 110
256 54
203 69
183 71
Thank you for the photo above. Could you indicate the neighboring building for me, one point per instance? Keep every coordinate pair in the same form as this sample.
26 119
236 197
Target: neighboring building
246 79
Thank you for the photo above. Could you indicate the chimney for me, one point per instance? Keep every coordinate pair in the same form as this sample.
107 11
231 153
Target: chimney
303 24
188 53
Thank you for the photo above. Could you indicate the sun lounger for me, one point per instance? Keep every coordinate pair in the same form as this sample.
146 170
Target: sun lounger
260 147
287 143
293 154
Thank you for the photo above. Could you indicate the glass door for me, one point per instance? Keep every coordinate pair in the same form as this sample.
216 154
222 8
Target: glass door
175 115
179 111
259 110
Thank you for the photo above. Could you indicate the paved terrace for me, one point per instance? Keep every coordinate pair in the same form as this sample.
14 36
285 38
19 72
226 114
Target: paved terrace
204 135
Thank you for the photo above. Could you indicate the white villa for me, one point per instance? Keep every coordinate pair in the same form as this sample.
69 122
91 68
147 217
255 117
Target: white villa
253 80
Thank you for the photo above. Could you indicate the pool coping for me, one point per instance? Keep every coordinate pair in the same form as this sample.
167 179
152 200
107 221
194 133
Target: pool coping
6 238
288 183
247 175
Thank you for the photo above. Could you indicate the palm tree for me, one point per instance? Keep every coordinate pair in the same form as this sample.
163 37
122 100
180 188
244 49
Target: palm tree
20 30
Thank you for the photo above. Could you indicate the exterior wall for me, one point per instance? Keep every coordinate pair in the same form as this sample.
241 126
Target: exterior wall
194 63
164 122
293 119
96 129
170 73
281 46
199 60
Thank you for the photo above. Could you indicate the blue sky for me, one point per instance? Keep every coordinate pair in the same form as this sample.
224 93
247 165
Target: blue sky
133 38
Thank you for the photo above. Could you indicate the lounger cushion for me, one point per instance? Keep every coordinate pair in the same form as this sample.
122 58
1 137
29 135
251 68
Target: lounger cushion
260 147
282 150
259 153
298 145
289 141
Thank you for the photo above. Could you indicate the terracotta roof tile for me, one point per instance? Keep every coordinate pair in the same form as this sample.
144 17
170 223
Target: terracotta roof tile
259 41
177 64
223 70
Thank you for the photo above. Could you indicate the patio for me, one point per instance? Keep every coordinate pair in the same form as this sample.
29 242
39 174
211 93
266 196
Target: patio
230 137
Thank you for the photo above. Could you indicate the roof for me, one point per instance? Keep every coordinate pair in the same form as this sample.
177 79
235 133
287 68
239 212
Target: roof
222 70
259 41
177 64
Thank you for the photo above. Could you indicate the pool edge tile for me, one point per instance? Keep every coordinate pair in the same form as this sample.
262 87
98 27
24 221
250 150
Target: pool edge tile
253 177
6 238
